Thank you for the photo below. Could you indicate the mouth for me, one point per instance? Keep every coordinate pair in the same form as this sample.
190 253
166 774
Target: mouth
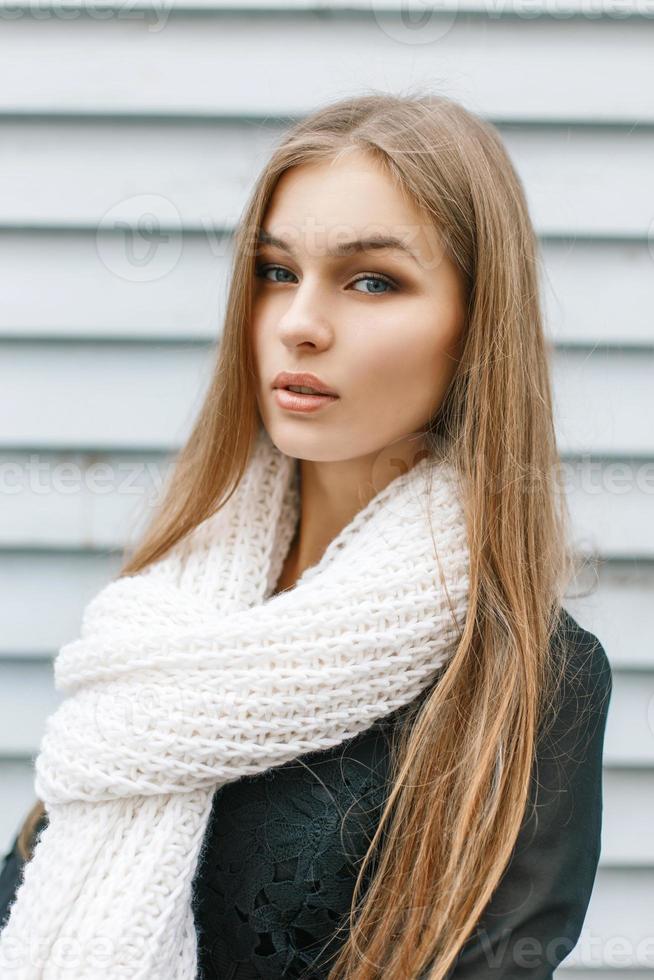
302 383
296 398
304 390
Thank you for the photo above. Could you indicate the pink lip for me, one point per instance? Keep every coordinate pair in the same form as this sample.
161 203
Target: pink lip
303 379
295 401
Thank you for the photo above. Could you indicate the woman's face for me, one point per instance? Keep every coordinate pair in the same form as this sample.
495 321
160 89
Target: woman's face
380 326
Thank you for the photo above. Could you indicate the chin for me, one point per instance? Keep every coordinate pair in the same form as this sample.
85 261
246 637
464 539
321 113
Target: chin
311 446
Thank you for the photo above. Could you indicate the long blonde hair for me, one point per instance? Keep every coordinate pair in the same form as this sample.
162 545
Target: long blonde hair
461 770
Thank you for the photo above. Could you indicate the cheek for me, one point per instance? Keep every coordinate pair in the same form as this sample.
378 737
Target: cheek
440 345
409 360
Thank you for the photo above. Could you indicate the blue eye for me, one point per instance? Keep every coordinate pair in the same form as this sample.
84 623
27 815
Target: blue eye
261 271
377 279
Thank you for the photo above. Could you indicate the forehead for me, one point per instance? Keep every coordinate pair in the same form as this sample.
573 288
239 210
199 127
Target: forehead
318 207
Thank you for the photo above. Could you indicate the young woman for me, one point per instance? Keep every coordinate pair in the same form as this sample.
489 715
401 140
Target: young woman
395 770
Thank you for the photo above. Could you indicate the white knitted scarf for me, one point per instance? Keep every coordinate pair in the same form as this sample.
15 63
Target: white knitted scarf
191 674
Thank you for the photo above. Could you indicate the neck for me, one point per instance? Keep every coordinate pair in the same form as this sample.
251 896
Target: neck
333 492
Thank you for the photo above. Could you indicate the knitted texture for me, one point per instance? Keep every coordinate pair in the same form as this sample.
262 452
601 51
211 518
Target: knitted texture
191 674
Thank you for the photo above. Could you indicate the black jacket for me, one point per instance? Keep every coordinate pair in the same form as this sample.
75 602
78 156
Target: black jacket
276 873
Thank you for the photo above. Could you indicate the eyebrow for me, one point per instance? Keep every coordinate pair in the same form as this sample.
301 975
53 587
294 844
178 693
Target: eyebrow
346 248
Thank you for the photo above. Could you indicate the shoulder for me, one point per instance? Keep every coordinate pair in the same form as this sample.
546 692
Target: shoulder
587 673
570 743
584 648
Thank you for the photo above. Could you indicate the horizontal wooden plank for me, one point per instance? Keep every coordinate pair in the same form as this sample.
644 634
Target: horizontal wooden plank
572 175
146 396
598 291
613 599
88 290
628 798
611 506
599 400
499 8
43 593
472 58
189 174
86 395
197 174
27 696
78 501
630 723
102 500
617 931
18 796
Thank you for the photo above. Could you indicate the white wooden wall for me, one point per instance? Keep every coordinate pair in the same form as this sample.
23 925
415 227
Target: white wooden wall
145 114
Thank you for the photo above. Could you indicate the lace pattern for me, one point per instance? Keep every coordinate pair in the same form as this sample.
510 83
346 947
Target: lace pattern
280 859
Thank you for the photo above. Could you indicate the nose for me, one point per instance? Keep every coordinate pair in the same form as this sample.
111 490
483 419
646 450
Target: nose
305 320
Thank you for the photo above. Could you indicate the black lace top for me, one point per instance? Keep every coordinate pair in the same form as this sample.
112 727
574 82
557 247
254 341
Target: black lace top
282 849
281 856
